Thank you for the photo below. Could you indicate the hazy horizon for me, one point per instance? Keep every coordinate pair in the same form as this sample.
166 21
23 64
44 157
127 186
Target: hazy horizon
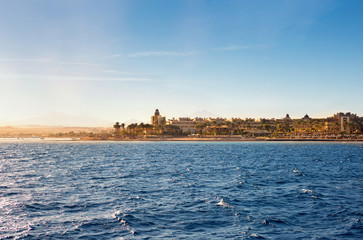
96 62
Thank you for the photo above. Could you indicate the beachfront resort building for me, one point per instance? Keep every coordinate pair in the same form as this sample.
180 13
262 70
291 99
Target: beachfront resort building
347 121
157 119
340 123
187 125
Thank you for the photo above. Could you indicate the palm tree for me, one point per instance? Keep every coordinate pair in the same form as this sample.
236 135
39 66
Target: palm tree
148 128
199 127
117 127
132 127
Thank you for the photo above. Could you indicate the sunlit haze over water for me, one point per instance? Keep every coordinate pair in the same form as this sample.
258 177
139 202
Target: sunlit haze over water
96 62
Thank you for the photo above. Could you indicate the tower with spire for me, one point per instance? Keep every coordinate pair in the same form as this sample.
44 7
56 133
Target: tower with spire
157 119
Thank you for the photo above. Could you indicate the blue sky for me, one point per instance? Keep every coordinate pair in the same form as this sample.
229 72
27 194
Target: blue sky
119 60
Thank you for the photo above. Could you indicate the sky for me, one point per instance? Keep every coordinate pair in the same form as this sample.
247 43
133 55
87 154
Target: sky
93 62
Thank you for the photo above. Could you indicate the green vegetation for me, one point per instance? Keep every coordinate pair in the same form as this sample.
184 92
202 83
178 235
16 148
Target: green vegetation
340 126
280 128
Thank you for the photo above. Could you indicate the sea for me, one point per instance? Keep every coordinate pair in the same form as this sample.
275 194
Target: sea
181 190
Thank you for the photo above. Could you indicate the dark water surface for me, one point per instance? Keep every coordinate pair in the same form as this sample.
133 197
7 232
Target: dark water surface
114 190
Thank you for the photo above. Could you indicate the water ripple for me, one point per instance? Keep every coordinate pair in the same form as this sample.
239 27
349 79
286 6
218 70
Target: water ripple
112 190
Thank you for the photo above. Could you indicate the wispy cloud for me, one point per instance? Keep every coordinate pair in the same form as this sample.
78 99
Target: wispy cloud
110 71
113 79
190 53
244 47
73 78
113 56
129 73
162 54
49 61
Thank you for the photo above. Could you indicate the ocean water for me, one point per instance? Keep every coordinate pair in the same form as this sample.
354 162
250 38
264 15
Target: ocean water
188 190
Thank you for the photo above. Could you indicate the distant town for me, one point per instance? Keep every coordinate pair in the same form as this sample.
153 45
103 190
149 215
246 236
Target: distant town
339 126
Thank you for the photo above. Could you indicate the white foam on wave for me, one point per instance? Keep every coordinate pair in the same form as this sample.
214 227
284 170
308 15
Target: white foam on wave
223 204
298 172
255 235
123 222
115 214
306 190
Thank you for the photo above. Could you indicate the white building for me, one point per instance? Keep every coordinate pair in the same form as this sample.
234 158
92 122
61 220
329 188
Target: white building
186 125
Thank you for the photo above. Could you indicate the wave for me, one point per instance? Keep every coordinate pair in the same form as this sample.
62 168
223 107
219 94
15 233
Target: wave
222 203
306 190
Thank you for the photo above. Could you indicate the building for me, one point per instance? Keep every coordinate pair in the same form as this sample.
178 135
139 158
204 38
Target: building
157 119
306 118
340 123
186 124
345 120
287 118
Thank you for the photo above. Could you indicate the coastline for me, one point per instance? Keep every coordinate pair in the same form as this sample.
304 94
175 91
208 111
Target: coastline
220 139
180 139
224 139
217 139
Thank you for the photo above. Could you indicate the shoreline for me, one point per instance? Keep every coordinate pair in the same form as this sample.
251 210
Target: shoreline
180 139
226 139
235 140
